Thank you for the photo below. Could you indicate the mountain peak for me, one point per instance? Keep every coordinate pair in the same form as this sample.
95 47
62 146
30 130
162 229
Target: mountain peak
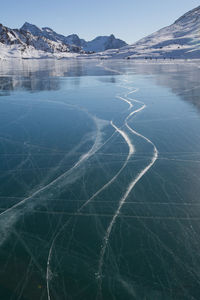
27 25
32 29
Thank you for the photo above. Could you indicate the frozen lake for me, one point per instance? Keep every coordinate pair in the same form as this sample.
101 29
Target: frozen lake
99 180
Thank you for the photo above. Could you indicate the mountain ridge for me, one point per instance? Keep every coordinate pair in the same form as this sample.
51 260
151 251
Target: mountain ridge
18 43
104 42
31 41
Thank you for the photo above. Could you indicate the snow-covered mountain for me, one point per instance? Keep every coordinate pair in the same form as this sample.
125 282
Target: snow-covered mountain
100 43
19 43
51 34
31 41
179 40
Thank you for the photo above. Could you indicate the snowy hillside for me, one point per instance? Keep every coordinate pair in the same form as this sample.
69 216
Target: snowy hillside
179 40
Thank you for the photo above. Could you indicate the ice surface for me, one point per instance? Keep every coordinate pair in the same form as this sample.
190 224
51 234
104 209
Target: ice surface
99 168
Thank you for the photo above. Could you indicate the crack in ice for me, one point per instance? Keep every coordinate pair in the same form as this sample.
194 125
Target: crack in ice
130 187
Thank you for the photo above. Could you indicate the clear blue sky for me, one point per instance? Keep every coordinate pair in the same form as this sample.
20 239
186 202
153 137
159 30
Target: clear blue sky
127 19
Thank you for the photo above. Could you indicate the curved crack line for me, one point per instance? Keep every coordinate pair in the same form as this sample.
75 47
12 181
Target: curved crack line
130 187
131 152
